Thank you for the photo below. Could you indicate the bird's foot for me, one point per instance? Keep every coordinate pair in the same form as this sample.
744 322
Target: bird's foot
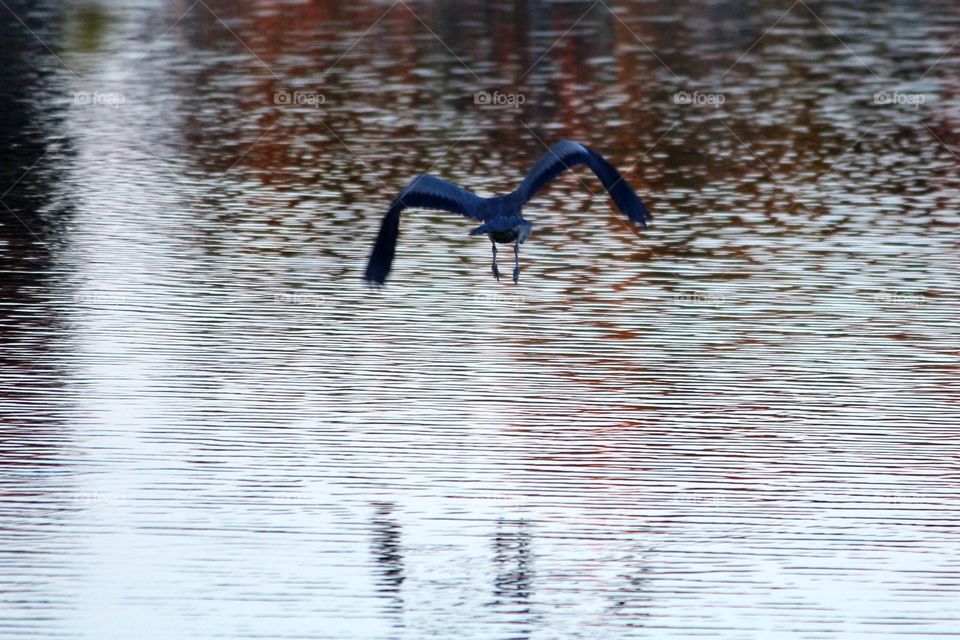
516 276
496 272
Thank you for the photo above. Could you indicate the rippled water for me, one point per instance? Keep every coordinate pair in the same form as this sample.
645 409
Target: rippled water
740 423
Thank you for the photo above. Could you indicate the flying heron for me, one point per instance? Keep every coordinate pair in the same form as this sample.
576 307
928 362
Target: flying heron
502 216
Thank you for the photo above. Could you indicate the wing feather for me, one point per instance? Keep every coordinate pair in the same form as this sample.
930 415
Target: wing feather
566 155
423 192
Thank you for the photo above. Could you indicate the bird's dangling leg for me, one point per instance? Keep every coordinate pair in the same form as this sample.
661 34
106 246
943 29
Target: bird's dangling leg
496 272
516 261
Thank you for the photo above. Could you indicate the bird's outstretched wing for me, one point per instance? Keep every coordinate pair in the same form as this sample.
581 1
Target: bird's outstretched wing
567 154
423 192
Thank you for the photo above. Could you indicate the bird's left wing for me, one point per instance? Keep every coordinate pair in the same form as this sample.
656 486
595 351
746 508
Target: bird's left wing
423 192
566 155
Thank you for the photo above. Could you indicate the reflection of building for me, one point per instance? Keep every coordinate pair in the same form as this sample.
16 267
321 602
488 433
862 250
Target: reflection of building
30 141
38 496
32 213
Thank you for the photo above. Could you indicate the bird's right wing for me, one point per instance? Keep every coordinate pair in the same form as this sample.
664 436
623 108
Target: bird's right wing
423 192
567 154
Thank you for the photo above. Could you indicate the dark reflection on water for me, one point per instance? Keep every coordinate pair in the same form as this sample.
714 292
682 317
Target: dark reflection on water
741 422
511 553
387 548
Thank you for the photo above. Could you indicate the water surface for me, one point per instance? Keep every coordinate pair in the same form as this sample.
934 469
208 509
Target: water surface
741 422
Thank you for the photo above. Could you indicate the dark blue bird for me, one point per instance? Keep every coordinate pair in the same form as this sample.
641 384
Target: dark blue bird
501 215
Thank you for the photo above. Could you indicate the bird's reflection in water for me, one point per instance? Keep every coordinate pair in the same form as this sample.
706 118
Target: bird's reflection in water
513 582
628 588
387 554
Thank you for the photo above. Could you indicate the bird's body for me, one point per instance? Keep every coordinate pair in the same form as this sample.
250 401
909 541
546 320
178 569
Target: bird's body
504 229
502 216
512 234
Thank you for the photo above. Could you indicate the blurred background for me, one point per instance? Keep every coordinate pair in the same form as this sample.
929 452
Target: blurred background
741 421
